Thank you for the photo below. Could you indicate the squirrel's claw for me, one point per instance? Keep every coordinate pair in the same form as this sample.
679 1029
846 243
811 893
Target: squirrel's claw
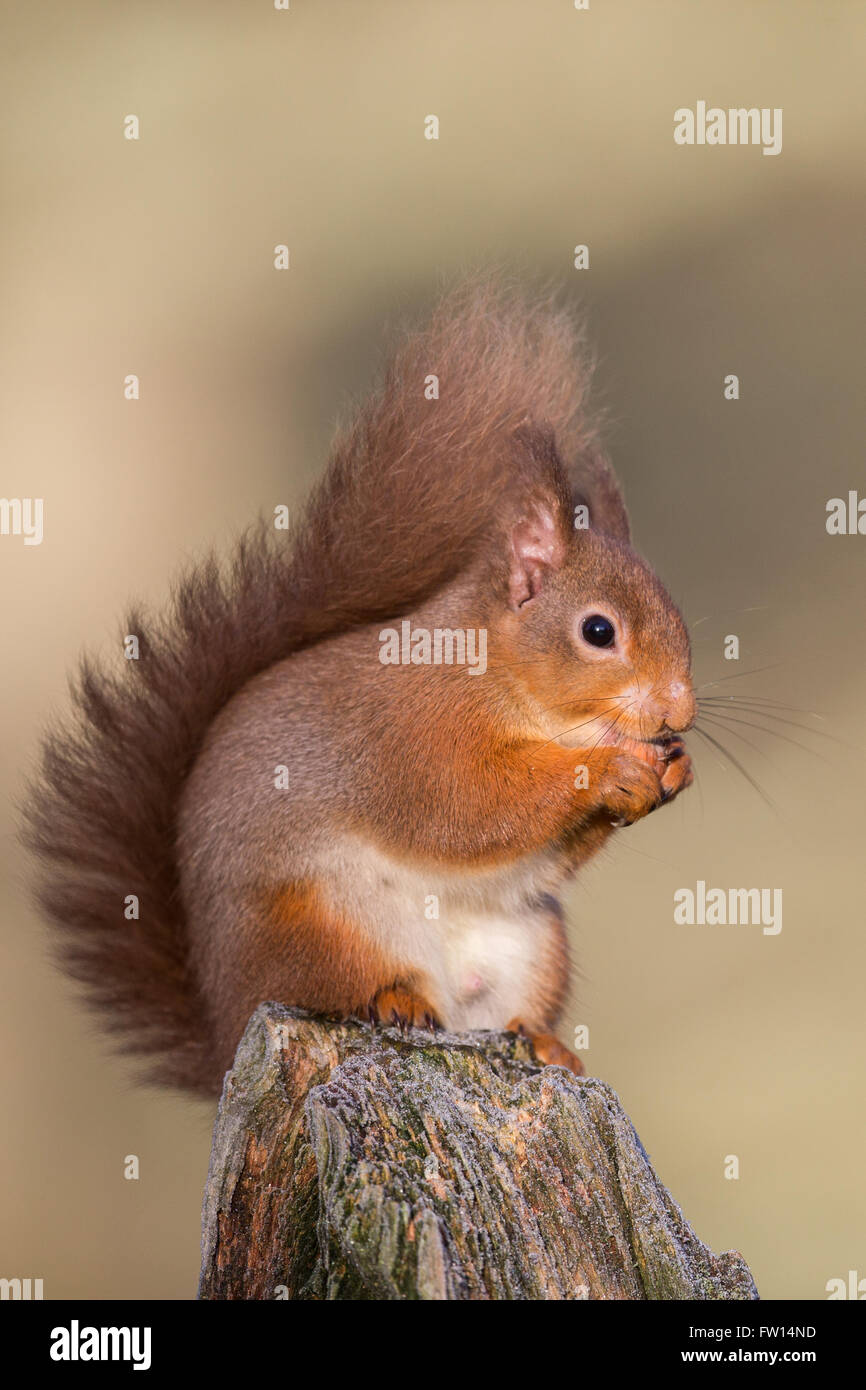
400 1008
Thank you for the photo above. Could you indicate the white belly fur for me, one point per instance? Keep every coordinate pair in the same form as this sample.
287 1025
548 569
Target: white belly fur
479 955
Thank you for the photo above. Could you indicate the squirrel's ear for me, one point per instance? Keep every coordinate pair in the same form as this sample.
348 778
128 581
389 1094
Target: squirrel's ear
537 548
595 486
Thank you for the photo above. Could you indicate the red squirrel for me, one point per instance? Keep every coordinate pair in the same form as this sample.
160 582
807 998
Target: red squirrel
308 806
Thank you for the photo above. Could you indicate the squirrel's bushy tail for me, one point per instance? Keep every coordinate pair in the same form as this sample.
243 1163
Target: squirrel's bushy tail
411 488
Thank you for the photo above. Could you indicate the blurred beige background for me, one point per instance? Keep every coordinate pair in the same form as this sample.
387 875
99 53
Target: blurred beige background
155 258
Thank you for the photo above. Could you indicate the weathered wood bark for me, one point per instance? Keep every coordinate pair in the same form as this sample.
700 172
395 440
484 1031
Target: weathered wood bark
347 1165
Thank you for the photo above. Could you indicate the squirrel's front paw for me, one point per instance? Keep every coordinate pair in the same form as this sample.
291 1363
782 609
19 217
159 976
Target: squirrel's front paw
677 773
630 789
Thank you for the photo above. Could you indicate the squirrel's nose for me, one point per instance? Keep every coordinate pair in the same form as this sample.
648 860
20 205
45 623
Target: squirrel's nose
678 706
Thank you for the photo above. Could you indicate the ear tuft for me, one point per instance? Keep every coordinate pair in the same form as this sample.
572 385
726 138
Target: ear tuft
594 484
537 549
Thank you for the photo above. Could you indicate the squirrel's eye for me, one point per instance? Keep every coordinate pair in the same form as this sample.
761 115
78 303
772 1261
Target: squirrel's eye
598 631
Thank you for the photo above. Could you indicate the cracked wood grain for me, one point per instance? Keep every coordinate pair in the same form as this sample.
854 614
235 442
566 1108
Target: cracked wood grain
348 1164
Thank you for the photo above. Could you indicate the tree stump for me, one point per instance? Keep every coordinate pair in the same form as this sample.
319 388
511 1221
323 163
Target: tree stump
352 1164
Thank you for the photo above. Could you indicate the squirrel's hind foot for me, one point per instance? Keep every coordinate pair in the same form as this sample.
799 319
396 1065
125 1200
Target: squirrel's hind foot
548 1049
402 1008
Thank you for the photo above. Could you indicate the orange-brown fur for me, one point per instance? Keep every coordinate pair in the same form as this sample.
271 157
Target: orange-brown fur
330 966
